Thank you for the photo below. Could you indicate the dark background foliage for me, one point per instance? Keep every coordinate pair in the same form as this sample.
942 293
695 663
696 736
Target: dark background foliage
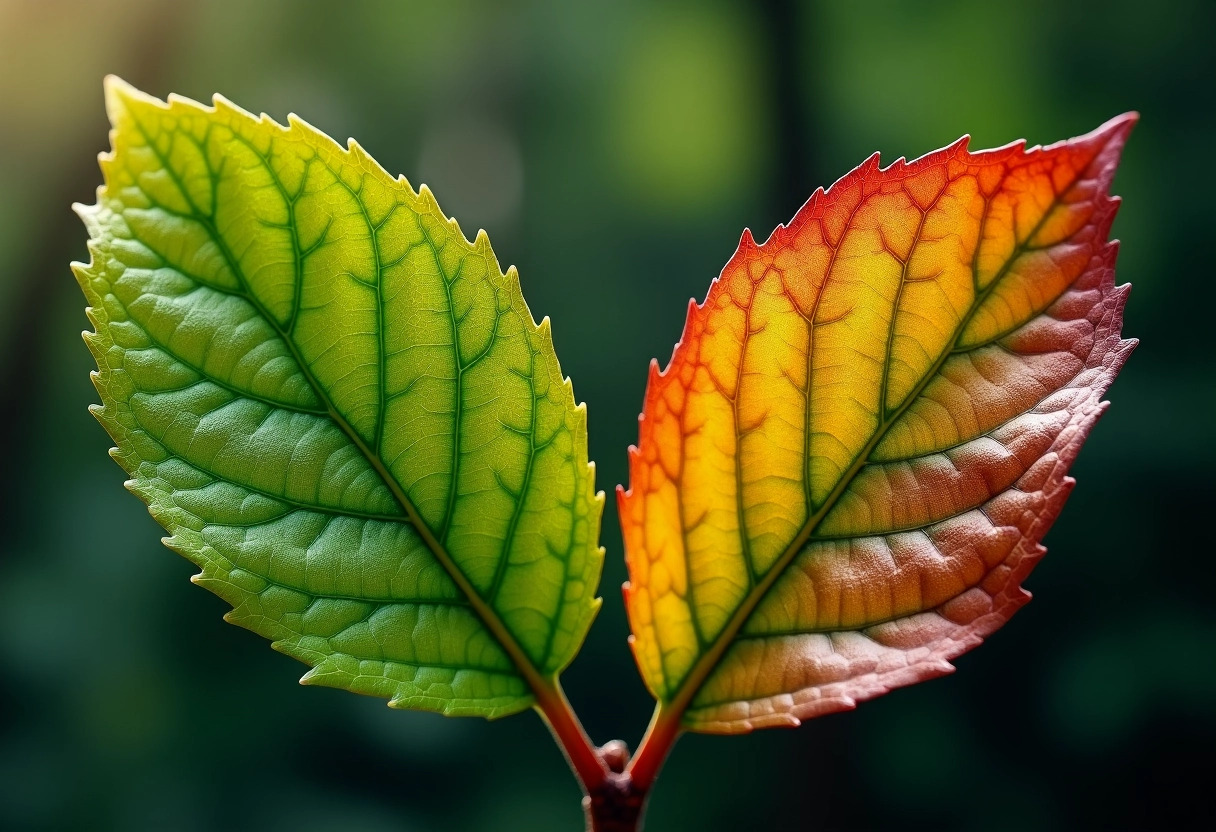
614 151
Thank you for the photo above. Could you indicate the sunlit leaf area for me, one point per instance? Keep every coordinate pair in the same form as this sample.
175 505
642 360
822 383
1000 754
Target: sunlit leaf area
614 152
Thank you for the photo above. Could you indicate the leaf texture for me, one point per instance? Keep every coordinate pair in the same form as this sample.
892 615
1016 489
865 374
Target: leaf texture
340 409
845 471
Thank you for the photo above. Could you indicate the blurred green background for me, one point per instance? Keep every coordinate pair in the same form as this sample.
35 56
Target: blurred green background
614 151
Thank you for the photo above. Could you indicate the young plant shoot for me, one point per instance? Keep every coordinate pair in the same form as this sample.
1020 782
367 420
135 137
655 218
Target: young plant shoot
345 416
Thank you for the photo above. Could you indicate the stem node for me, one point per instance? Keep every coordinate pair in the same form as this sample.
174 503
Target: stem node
616 805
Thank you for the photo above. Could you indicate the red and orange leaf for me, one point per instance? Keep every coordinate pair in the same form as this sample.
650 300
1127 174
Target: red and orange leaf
845 472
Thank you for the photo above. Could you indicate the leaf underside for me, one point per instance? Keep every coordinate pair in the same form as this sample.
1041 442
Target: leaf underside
845 472
340 409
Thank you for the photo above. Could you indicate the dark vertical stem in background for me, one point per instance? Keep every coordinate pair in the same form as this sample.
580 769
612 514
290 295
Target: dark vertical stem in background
618 806
792 35
789 42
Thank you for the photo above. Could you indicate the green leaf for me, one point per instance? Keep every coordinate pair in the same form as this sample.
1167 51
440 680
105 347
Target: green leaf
339 408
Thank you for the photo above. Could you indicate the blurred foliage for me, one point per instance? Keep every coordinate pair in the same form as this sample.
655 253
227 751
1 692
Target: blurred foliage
614 151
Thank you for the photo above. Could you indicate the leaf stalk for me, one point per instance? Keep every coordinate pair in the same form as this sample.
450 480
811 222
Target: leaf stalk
585 761
661 735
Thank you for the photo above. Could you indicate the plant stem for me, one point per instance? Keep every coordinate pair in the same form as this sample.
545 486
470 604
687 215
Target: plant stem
616 806
610 800
584 759
618 802
615 788
662 734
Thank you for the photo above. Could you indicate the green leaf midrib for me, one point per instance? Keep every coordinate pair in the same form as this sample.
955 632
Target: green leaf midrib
527 669
692 681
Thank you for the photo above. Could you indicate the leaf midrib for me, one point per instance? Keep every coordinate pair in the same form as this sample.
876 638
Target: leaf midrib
536 681
696 676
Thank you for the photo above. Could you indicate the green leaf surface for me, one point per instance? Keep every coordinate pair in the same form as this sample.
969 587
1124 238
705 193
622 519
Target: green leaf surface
340 409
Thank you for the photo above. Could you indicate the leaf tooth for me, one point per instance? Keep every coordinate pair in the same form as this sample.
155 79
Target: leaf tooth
369 163
955 150
492 258
84 273
90 215
87 213
511 276
544 331
897 167
580 415
116 91
311 677
427 199
654 375
97 348
481 244
299 128
105 161
220 104
871 165
174 102
633 453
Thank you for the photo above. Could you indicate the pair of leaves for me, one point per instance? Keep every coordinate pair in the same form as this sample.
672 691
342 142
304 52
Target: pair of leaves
344 414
